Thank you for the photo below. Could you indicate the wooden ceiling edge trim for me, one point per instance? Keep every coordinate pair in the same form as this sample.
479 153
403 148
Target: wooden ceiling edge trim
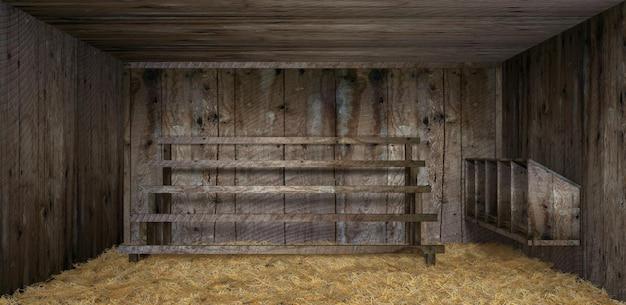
302 65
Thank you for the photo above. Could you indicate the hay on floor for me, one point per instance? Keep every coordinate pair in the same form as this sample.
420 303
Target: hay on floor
466 274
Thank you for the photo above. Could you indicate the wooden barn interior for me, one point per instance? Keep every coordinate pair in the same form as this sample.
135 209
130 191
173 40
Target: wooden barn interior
293 130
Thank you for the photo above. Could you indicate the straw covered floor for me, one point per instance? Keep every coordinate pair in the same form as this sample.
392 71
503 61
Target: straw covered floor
466 274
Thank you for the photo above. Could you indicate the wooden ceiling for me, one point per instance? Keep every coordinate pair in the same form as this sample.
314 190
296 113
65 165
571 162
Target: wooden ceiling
419 31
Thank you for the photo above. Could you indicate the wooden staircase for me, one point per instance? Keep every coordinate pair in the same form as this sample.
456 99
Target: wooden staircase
522 200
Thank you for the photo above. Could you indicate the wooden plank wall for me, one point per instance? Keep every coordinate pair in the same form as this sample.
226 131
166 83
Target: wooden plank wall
563 106
60 144
448 108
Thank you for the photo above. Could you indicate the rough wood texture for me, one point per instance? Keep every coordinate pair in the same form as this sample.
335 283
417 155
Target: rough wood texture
189 104
265 140
361 98
414 31
297 163
259 112
564 103
281 249
60 199
478 119
286 189
283 218
310 111
319 107
546 206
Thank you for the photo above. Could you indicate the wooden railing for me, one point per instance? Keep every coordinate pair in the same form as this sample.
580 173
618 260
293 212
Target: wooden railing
410 189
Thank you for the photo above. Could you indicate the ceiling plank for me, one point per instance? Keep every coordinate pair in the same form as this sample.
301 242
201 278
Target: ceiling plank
442 31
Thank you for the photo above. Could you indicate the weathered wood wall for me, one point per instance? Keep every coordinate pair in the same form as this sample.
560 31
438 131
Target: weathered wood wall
563 106
452 110
60 150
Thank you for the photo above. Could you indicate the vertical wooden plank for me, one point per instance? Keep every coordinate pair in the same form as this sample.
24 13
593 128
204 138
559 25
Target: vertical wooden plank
519 193
361 110
478 117
81 154
259 111
225 232
479 189
478 113
69 146
430 102
145 94
605 152
28 144
403 122
452 207
190 109
504 194
9 162
499 115
309 111
127 186
51 100
469 195
491 192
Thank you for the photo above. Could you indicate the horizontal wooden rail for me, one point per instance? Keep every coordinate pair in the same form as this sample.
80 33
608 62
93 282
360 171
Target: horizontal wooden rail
285 140
282 217
281 249
281 189
200 164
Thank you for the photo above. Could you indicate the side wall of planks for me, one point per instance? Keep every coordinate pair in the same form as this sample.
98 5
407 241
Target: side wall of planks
60 150
563 106
451 110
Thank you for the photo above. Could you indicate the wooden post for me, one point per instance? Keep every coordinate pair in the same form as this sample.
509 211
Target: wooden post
430 257
133 258
413 229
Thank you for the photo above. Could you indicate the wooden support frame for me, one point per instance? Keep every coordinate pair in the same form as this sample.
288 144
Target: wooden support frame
533 205
163 217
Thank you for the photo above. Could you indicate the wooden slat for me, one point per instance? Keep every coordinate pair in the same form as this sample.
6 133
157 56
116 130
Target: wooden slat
280 249
470 189
554 243
282 217
504 194
491 190
281 189
264 140
479 189
202 164
519 195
